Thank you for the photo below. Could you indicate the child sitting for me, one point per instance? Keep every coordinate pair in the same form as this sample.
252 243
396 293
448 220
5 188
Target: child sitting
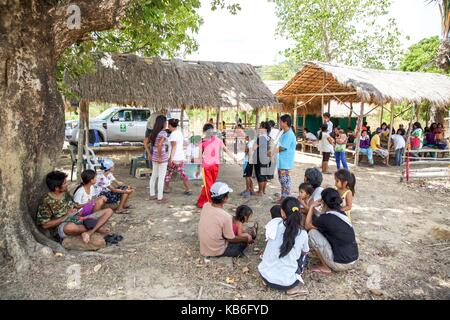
242 216
345 185
85 196
305 191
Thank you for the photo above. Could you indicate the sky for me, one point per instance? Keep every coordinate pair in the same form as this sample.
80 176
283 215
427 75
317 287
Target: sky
249 36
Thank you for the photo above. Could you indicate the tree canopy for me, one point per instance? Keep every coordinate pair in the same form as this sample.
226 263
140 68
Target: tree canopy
421 56
353 32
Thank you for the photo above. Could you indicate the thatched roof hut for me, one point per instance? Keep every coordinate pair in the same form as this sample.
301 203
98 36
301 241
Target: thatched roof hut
164 84
351 84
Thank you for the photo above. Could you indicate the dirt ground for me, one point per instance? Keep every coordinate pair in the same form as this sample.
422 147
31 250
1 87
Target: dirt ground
401 254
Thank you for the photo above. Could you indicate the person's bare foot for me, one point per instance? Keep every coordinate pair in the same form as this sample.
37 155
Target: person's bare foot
152 198
259 194
321 269
104 231
161 201
297 291
86 237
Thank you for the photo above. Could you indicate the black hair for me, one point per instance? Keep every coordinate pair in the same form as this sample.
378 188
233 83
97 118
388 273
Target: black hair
440 124
275 211
401 131
86 177
327 115
426 129
174 123
323 128
265 125
307 130
286 118
417 125
291 207
314 177
243 212
344 175
219 199
383 124
272 123
364 123
305 186
332 199
208 126
55 179
158 127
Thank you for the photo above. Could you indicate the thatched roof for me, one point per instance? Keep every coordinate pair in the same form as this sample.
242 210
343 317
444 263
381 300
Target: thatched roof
165 84
365 85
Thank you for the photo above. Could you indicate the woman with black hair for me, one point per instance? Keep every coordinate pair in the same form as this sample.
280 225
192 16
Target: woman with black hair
325 146
176 157
331 234
158 138
284 256
209 152
261 158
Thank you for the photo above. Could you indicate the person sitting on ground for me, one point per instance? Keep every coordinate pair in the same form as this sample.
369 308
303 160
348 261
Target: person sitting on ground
85 194
248 164
314 177
305 191
331 235
375 145
364 147
327 121
59 214
215 228
114 190
272 226
309 136
325 146
399 146
284 256
345 182
243 214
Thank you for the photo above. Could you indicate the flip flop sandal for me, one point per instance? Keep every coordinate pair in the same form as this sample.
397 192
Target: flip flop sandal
110 239
122 211
162 201
188 193
117 237
129 207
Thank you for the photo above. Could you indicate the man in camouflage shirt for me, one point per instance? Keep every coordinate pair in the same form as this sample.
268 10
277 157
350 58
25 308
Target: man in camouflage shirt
59 213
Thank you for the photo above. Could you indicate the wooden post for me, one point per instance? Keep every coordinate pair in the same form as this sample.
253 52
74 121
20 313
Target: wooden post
267 115
321 110
81 136
349 122
304 122
218 119
257 119
358 137
207 115
182 117
245 119
329 106
391 126
408 145
278 119
381 116
418 112
295 121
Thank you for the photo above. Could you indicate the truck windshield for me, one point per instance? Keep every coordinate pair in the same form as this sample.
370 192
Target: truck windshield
106 114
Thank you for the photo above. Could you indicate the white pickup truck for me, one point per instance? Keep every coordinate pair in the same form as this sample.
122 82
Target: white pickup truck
118 124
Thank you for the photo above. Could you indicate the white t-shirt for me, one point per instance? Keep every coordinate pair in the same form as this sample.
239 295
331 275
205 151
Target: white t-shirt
282 271
316 196
250 145
274 132
177 136
330 127
311 136
81 197
192 151
324 144
399 141
103 182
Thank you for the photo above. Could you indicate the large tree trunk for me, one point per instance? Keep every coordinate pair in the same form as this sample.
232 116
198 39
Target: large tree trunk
443 57
31 125
33 34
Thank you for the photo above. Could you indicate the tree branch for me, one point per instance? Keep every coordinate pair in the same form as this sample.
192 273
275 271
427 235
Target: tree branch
94 15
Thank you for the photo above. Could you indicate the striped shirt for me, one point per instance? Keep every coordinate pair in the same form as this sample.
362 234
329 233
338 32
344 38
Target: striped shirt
161 135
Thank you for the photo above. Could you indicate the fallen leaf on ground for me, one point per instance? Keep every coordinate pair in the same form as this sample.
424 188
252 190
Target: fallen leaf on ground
245 269
59 254
229 280
97 267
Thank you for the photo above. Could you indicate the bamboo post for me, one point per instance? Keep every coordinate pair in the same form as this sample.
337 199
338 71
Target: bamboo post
321 109
329 106
358 137
418 112
408 144
207 115
81 137
245 119
391 126
267 115
304 121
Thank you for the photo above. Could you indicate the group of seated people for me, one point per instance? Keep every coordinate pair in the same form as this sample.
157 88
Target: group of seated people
84 212
318 218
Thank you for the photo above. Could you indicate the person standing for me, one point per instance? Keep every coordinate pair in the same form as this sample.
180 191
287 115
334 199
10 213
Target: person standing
176 157
159 158
286 156
327 120
325 146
